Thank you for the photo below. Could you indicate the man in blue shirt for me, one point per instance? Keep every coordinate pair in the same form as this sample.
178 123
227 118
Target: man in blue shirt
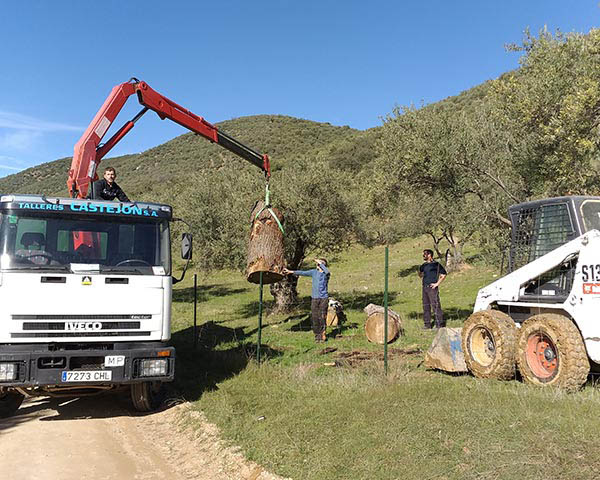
319 296
432 274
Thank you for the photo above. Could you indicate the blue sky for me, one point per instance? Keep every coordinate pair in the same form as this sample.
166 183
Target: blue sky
345 62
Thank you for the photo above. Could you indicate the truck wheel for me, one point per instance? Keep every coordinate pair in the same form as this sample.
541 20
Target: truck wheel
551 352
147 396
488 343
10 402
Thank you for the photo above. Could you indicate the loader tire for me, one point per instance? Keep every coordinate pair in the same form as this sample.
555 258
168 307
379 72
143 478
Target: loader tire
551 352
489 344
10 401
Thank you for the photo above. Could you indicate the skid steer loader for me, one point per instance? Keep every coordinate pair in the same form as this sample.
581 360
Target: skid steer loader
544 315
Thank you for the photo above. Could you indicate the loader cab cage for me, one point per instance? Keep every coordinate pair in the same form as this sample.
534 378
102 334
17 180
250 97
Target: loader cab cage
537 230
541 226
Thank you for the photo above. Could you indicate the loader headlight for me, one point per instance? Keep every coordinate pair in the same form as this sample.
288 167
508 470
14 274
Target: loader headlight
8 371
153 367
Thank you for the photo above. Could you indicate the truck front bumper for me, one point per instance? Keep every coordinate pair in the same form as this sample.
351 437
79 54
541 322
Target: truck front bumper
35 365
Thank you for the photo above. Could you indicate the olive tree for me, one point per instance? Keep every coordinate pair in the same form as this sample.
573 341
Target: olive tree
446 171
552 106
533 133
313 196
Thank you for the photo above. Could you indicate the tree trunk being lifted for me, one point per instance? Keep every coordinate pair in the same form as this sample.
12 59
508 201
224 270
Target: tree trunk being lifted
285 293
265 247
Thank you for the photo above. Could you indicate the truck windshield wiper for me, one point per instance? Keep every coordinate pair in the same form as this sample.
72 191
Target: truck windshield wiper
53 268
120 270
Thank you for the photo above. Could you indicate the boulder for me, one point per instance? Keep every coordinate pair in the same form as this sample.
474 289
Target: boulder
446 352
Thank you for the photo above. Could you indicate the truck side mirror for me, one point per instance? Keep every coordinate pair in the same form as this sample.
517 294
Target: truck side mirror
186 246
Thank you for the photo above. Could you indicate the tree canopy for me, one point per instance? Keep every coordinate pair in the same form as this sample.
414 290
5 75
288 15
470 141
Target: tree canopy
455 167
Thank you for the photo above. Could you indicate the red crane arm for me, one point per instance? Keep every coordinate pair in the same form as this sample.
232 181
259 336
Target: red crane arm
89 152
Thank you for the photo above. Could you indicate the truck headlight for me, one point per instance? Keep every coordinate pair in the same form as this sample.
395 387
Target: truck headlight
153 367
8 371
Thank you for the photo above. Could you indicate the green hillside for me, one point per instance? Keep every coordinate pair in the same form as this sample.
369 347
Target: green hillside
213 190
169 165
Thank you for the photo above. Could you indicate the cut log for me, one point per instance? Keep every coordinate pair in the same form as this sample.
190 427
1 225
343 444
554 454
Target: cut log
335 314
265 247
375 324
332 317
335 318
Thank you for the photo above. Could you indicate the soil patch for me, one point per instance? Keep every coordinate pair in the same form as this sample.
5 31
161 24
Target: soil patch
356 357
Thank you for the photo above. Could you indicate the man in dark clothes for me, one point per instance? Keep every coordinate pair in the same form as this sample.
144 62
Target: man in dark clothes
107 188
319 296
432 274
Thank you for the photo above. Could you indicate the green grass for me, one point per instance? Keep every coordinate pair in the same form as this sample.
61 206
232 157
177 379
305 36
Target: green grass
352 421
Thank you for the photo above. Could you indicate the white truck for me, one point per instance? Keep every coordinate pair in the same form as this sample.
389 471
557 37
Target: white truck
85 289
85 284
542 317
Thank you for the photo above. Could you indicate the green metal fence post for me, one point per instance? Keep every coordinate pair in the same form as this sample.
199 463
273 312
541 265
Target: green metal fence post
260 305
385 314
195 310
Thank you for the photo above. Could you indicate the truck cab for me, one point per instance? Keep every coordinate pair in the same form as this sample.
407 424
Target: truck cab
85 289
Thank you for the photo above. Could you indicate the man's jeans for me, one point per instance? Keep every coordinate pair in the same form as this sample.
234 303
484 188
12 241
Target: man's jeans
319 314
431 299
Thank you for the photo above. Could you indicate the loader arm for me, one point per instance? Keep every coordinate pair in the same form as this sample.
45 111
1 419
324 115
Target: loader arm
508 288
89 151
583 300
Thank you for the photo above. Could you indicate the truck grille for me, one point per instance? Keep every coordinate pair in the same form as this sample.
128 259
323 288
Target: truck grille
80 325
80 334
62 325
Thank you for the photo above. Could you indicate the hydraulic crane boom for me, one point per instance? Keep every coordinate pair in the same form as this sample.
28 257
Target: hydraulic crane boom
89 152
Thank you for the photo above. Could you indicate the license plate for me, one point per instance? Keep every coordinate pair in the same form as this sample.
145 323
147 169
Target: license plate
87 376
114 360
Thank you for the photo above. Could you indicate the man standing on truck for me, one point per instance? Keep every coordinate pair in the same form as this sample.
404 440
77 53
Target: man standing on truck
319 296
432 274
107 188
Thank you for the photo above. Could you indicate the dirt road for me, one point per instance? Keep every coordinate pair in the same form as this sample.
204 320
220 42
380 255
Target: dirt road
103 438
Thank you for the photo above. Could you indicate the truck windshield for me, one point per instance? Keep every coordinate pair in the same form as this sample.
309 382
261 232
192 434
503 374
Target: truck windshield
38 241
